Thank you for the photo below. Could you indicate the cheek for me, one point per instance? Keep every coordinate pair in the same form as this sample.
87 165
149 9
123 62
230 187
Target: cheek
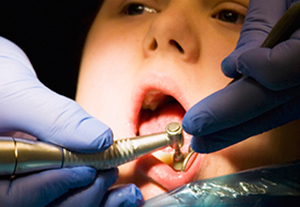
214 50
107 61
113 52
106 80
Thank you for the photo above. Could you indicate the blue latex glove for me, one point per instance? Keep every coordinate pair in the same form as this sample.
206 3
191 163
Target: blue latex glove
26 105
246 108
123 196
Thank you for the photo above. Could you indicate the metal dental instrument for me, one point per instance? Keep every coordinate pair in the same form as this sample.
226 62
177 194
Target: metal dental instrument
19 156
180 160
186 159
178 156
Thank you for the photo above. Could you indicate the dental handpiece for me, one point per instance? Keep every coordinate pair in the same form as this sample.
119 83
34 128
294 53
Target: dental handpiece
18 156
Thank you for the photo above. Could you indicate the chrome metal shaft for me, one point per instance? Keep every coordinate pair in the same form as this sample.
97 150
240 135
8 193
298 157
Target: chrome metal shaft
122 151
19 156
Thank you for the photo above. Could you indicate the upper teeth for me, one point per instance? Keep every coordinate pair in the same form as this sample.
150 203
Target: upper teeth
152 99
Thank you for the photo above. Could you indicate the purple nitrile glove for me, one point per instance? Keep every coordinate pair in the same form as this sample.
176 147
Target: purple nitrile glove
251 106
123 196
26 105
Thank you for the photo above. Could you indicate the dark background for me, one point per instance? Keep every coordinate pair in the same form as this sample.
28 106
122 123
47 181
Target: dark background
52 34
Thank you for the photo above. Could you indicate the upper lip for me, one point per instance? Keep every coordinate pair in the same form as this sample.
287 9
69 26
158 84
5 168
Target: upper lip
164 85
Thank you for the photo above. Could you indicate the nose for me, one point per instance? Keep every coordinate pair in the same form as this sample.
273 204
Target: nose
172 31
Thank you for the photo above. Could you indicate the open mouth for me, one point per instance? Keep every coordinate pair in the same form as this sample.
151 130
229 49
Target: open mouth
157 111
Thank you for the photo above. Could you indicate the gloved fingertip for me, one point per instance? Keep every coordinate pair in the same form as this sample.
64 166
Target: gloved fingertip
83 176
229 67
133 195
242 66
197 145
190 123
205 145
128 195
111 174
103 136
99 140
106 140
115 171
136 193
196 120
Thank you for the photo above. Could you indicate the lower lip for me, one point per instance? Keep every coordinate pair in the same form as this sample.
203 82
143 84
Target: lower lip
160 173
164 175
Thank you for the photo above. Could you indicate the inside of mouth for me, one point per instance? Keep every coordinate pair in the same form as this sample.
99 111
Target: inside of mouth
156 111
155 115
167 158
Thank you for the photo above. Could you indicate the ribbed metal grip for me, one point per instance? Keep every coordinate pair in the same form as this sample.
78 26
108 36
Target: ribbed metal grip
126 150
24 156
120 152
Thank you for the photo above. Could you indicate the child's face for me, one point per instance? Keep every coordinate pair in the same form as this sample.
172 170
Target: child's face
146 63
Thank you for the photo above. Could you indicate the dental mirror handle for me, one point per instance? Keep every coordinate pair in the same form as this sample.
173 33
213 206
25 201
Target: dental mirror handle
18 156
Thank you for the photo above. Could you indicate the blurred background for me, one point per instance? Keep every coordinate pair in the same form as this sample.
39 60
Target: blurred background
52 35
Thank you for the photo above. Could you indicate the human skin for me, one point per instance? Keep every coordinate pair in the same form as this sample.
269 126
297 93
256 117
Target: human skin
172 48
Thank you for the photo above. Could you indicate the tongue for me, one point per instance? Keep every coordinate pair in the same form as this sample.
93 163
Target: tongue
153 122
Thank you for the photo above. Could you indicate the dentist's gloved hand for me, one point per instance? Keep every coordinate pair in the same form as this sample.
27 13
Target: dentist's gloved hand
254 105
26 105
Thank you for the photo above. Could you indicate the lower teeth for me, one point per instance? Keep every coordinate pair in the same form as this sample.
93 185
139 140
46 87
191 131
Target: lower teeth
166 158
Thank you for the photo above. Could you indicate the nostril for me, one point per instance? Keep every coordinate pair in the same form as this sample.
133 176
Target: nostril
153 45
173 42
